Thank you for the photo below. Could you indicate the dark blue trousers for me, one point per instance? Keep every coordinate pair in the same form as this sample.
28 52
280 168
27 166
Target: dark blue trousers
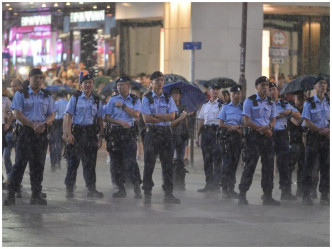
211 151
317 146
230 160
30 147
123 159
297 155
258 145
158 141
281 149
85 148
55 141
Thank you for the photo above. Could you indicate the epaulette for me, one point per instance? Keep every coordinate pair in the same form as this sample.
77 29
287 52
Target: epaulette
283 103
253 98
77 93
269 99
311 101
46 92
241 106
327 98
134 98
96 99
220 103
149 96
25 91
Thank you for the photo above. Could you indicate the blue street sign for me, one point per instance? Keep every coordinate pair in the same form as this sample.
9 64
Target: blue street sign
5 55
192 45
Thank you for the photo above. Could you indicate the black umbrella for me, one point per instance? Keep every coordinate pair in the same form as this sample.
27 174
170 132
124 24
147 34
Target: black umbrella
300 84
222 82
171 78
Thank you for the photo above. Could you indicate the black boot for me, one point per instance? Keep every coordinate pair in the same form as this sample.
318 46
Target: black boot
225 193
170 199
207 188
324 199
286 195
306 200
19 192
232 193
242 198
69 192
92 192
36 199
10 199
269 201
121 193
147 197
137 191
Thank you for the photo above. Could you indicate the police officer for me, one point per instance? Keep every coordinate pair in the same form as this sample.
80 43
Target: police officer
158 111
281 141
34 108
297 154
211 150
316 115
121 112
83 133
259 115
56 142
180 136
231 124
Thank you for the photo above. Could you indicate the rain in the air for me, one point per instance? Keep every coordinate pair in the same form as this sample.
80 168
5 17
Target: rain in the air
163 124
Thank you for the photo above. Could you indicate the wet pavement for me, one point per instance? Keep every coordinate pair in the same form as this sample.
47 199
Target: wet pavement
200 220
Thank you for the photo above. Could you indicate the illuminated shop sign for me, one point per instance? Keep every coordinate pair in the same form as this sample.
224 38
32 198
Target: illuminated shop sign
35 20
88 16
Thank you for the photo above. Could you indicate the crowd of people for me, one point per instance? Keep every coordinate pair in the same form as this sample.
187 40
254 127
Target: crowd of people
264 125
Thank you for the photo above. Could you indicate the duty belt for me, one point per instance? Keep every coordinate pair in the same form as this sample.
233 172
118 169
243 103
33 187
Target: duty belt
83 128
277 132
159 129
212 127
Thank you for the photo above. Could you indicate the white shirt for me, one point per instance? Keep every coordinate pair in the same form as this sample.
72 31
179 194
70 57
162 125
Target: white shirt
209 113
6 103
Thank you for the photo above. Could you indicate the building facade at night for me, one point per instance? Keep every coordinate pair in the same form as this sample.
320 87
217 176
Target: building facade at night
130 38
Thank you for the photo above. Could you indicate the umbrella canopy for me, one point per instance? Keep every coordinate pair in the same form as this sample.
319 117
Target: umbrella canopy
109 88
171 78
300 84
191 95
58 89
222 82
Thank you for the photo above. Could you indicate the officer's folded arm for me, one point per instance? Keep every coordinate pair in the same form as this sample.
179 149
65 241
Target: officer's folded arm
124 124
312 127
166 117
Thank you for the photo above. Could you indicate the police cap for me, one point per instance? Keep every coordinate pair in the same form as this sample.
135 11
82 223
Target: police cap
155 75
261 80
319 78
87 77
272 84
235 88
35 71
123 79
214 86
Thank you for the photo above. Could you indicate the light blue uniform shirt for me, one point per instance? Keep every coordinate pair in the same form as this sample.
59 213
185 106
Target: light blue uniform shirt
261 113
86 110
231 114
281 123
60 107
159 106
320 116
119 113
36 108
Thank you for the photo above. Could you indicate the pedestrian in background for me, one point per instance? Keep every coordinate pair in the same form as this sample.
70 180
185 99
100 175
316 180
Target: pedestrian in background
34 108
55 141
